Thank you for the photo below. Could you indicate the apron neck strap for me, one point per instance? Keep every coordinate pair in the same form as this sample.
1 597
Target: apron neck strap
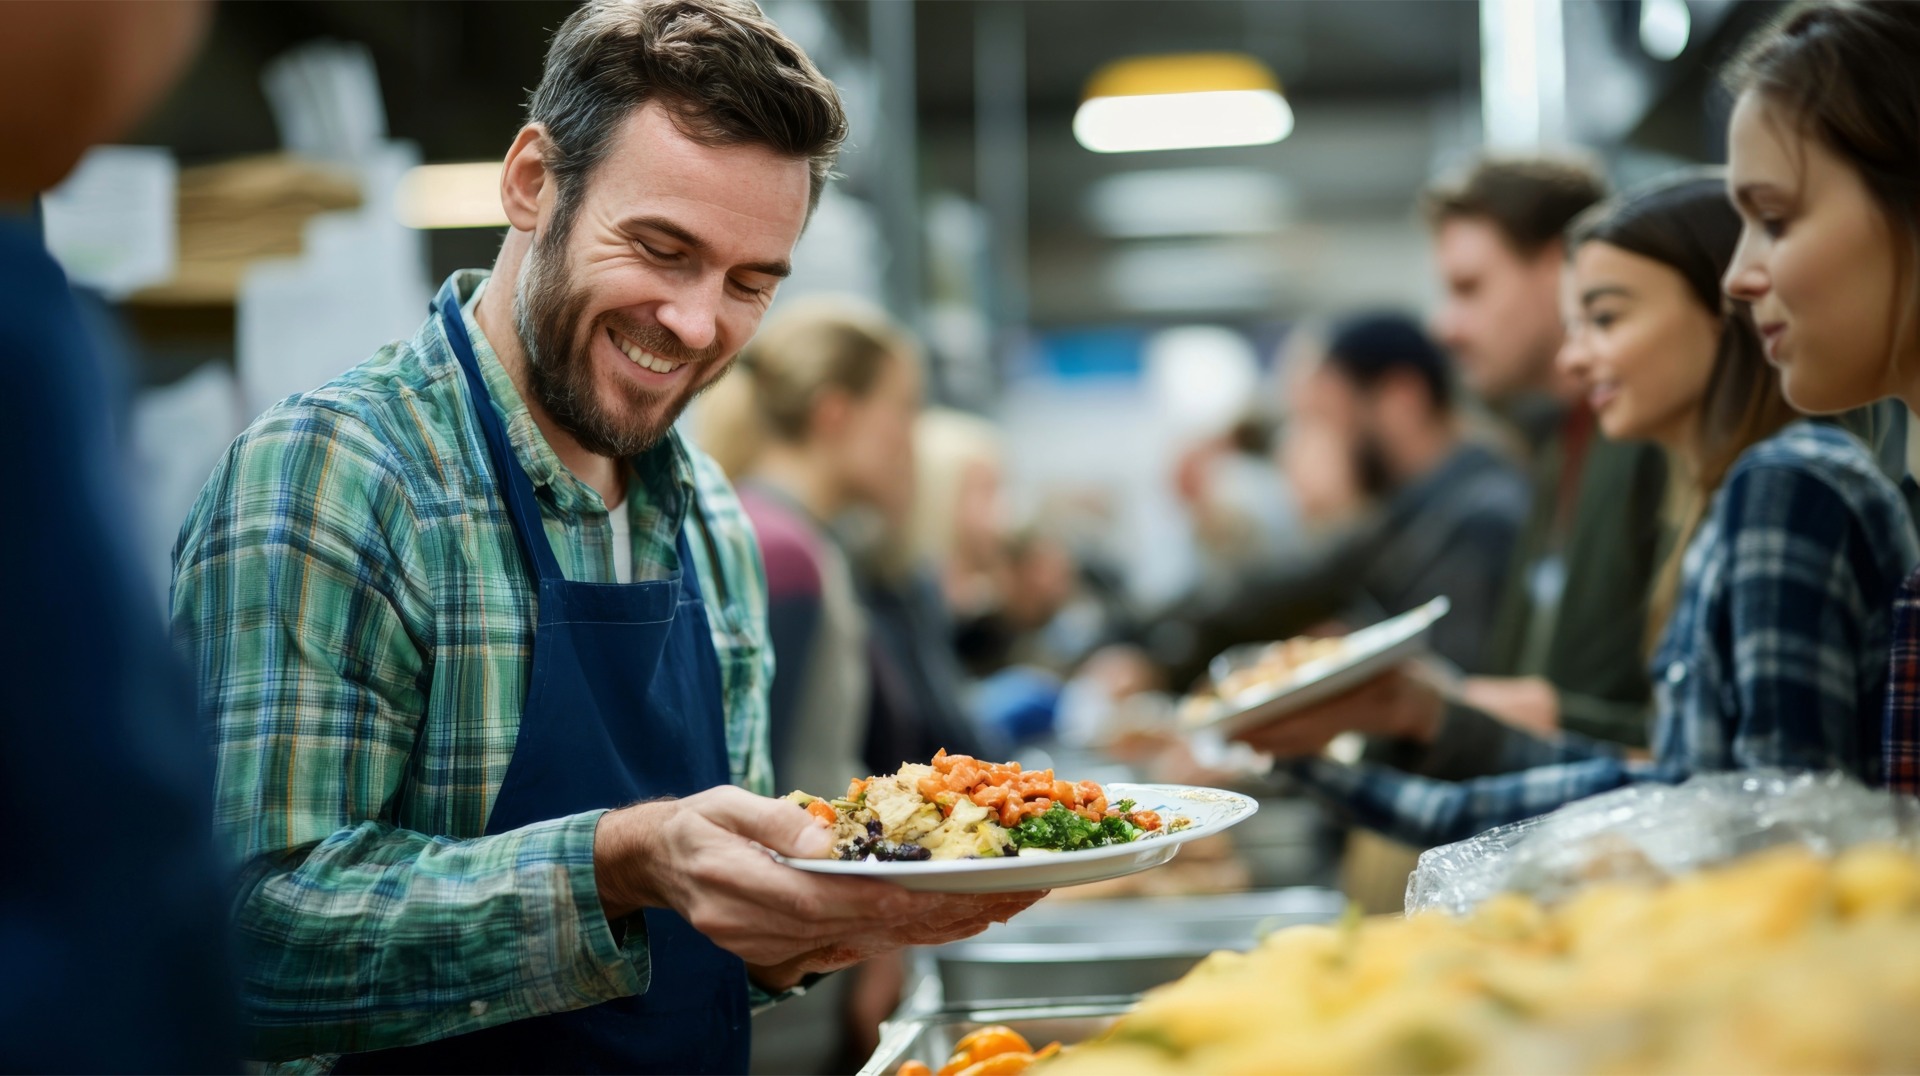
510 478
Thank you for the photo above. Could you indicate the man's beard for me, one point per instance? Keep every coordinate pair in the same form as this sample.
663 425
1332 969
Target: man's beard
1371 467
547 313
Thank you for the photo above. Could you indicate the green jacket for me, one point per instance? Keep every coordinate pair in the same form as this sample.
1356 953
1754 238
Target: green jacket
1596 649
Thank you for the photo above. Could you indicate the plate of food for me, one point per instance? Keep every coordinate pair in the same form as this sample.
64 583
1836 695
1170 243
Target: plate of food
1253 685
962 825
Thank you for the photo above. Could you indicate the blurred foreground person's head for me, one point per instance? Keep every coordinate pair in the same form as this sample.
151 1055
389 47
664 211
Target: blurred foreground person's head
1824 167
692 133
73 75
1496 234
1379 399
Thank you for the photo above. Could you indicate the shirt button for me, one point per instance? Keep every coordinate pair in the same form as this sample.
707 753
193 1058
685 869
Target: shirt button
1676 672
477 1008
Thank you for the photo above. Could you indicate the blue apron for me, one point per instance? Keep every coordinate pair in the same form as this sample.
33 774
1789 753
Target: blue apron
623 704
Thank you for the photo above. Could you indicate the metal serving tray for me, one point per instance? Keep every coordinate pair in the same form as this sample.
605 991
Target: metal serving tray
1061 949
930 1037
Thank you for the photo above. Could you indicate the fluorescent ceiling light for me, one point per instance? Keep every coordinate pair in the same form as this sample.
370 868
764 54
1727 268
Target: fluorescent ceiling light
1161 203
1184 101
451 196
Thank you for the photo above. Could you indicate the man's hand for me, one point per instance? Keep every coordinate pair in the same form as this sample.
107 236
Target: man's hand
1525 702
705 857
1397 703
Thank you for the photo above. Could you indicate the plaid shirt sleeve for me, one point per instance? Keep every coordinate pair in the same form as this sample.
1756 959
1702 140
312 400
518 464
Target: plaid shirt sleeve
1808 574
1426 811
1774 643
1902 728
298 593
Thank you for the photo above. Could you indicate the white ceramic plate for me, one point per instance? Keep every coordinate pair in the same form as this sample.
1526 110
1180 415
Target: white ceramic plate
1211 809
1367 653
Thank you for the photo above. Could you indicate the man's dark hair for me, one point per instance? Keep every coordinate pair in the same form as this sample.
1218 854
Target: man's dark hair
726 74
1368 348
1531 200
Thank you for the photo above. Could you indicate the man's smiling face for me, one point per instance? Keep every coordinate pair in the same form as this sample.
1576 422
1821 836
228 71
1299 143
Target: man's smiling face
662 277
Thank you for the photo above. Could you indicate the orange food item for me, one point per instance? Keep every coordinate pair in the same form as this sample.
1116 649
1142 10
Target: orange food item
990 1051
991 1041
1147 820
824 811
999 1065
1013 794
857 787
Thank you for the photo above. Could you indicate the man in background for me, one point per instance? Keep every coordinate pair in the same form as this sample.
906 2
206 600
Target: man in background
1569 643
112 903
1379 410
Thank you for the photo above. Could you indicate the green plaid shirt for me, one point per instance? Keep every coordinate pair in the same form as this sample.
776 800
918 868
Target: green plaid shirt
350 591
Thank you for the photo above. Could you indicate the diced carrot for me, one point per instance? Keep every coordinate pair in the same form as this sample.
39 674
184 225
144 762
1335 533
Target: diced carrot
855 787
824 811
1011 1064
991 1040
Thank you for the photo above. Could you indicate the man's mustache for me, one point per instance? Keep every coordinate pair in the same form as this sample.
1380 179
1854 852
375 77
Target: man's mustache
659 340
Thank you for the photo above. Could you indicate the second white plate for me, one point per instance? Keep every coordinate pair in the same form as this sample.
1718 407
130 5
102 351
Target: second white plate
1366 654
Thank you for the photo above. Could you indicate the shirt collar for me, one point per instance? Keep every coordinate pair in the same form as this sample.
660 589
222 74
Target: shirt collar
664 473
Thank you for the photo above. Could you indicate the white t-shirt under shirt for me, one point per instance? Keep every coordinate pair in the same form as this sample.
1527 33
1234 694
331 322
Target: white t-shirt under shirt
622 545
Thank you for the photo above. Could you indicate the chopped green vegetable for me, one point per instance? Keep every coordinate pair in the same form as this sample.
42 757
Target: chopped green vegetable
1123 806
1061 830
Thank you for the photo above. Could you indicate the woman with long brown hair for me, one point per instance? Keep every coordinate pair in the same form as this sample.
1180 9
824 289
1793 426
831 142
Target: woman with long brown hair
1772 617
1824 165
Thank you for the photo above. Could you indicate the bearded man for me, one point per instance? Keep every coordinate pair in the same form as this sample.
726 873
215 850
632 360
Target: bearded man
485 641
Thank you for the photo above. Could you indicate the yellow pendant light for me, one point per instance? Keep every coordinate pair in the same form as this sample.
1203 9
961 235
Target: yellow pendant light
1195 100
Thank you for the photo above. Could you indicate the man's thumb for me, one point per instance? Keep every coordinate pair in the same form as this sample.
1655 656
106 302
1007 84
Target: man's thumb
784 827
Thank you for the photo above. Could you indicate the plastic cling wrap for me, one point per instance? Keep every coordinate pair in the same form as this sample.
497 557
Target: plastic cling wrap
1654 832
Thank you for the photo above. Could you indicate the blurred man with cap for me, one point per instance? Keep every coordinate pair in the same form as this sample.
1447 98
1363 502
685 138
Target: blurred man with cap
486 640
1378 409
112 900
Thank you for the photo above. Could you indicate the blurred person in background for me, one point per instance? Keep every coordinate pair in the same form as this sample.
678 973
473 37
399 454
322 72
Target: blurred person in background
1244 511
112 903
1823 164
1568 643
830 390
819 422
1376 417
1567 647
959 518
485 638
1772 612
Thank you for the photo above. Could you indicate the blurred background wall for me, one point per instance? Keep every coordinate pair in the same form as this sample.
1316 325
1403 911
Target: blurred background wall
1105 308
